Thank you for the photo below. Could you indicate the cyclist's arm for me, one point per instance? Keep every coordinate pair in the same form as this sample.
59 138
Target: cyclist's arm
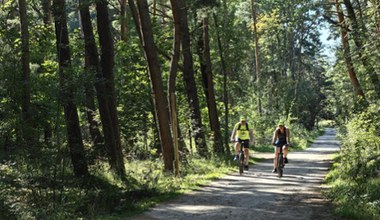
274 137
288 136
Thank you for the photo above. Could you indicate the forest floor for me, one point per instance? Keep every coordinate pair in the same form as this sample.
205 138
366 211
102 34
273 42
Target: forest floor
259 193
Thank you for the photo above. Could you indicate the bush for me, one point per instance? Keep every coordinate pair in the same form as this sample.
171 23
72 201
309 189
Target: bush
355 178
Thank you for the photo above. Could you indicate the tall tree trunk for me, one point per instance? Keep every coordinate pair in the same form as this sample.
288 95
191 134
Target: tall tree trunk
358 36
25 76
123 20
174 63
160 102
74 136
257 55
191 89
107 64
46 7
208 84
135 16
225 92
91 68
347 56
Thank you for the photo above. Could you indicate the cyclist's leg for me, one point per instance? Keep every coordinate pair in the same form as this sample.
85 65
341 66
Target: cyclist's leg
237 147
276 152
285 151
246 152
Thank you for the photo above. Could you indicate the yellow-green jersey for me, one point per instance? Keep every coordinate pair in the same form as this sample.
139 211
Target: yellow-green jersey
242 131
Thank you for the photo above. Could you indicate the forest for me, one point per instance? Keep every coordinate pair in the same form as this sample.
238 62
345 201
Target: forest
110 106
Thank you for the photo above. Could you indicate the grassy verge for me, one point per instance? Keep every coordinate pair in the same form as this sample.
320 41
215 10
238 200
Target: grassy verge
353 199
161 187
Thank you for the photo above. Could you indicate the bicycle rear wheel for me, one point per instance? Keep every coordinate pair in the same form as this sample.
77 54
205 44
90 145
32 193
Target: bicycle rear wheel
280 167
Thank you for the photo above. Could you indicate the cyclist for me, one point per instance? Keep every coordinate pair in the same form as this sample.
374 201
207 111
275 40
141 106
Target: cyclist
242 136
281 138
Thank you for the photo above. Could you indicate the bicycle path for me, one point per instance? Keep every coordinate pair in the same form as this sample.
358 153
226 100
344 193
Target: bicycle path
260 194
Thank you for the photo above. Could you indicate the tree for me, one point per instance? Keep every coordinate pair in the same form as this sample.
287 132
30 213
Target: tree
208 84
224 73
358 35
160 102
25 102
123 20
174 66
74 136
46 7
111 129
257 53
347 55
93 69
189 80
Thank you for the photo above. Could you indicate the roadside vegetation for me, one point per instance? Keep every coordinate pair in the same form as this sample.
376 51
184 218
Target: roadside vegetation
355 177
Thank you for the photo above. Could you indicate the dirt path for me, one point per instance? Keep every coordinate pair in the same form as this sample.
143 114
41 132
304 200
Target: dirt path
260 194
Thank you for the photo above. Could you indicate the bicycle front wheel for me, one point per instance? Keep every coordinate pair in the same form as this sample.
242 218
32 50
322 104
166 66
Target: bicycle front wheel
241 163
280 167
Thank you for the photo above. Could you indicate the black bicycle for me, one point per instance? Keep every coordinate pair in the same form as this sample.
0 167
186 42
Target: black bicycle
241 160
281 162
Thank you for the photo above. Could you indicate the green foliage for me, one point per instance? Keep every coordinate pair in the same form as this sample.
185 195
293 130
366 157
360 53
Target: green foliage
355 179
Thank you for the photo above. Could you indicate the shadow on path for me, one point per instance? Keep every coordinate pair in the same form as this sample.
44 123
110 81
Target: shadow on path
260 194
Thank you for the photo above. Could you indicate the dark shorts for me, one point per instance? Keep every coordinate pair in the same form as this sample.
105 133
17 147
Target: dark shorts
280 144
244 143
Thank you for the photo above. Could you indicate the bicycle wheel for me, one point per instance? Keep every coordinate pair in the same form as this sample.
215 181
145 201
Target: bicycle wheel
241 163
280 166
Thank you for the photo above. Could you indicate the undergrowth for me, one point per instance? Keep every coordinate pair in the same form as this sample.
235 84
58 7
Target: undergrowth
355 177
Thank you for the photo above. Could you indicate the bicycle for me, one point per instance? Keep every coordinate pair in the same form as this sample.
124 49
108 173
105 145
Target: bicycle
281 162
241 160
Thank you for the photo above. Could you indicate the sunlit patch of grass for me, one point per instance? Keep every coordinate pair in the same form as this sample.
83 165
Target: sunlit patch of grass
327 123
163 186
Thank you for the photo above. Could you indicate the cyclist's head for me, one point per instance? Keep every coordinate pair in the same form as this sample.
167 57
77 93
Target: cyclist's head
281 124
242 118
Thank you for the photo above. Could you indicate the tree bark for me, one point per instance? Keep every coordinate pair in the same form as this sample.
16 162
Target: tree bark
208 84
135 16
25 76
191 89
91 67
160 102
225 92
358 36
74 136
347 57
46 7
257 55
123 20
174 64
112 130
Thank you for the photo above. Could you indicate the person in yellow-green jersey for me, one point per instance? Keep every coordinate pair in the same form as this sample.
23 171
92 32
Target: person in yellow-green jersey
242 137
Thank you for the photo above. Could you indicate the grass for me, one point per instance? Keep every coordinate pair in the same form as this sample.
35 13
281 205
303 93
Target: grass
353 199
197 173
